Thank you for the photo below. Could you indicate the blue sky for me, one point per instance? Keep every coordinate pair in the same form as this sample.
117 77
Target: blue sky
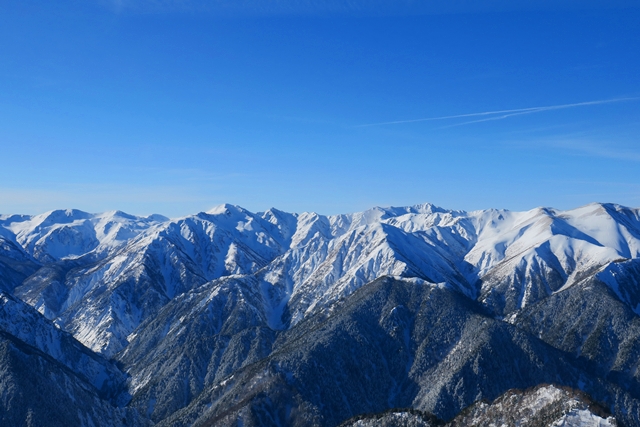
176 106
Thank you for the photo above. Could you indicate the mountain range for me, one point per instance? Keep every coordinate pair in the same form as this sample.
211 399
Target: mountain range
229 317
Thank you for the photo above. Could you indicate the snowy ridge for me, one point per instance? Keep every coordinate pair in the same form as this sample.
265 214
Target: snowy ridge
305 262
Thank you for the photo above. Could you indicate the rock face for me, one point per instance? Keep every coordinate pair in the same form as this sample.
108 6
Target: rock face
275 318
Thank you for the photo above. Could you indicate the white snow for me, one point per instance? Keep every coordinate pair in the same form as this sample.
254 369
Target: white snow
306 261
583 418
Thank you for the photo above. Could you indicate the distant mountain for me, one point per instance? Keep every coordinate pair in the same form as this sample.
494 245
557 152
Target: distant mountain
276 318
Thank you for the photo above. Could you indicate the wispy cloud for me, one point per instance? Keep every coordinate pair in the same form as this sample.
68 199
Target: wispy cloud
501 114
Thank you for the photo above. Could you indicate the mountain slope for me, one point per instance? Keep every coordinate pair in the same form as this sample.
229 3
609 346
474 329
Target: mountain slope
22 322
37 390
390 344
48 378
15 264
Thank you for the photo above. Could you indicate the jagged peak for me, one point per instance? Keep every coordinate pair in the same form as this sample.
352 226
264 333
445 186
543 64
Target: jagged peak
157 218
277 213
117 214
430 208
227 209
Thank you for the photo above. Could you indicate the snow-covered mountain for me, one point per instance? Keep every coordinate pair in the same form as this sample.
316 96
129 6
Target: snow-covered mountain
306 261
182 304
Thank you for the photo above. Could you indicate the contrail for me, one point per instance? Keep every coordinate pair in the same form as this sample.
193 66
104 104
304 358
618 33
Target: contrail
505 113
504 116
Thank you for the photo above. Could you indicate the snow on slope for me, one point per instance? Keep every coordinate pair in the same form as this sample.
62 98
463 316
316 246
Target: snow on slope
521 257
304 262
490 254
105 301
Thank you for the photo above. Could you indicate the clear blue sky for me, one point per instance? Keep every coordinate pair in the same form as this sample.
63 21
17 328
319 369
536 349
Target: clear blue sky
176 106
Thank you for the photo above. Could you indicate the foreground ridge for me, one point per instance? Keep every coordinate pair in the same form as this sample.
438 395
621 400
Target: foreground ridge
543 405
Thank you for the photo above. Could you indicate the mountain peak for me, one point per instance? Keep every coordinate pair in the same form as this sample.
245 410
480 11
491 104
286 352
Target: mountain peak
61 216
225 209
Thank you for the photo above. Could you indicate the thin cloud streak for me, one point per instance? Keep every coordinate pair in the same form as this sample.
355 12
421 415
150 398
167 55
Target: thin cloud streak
505 113
492 118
